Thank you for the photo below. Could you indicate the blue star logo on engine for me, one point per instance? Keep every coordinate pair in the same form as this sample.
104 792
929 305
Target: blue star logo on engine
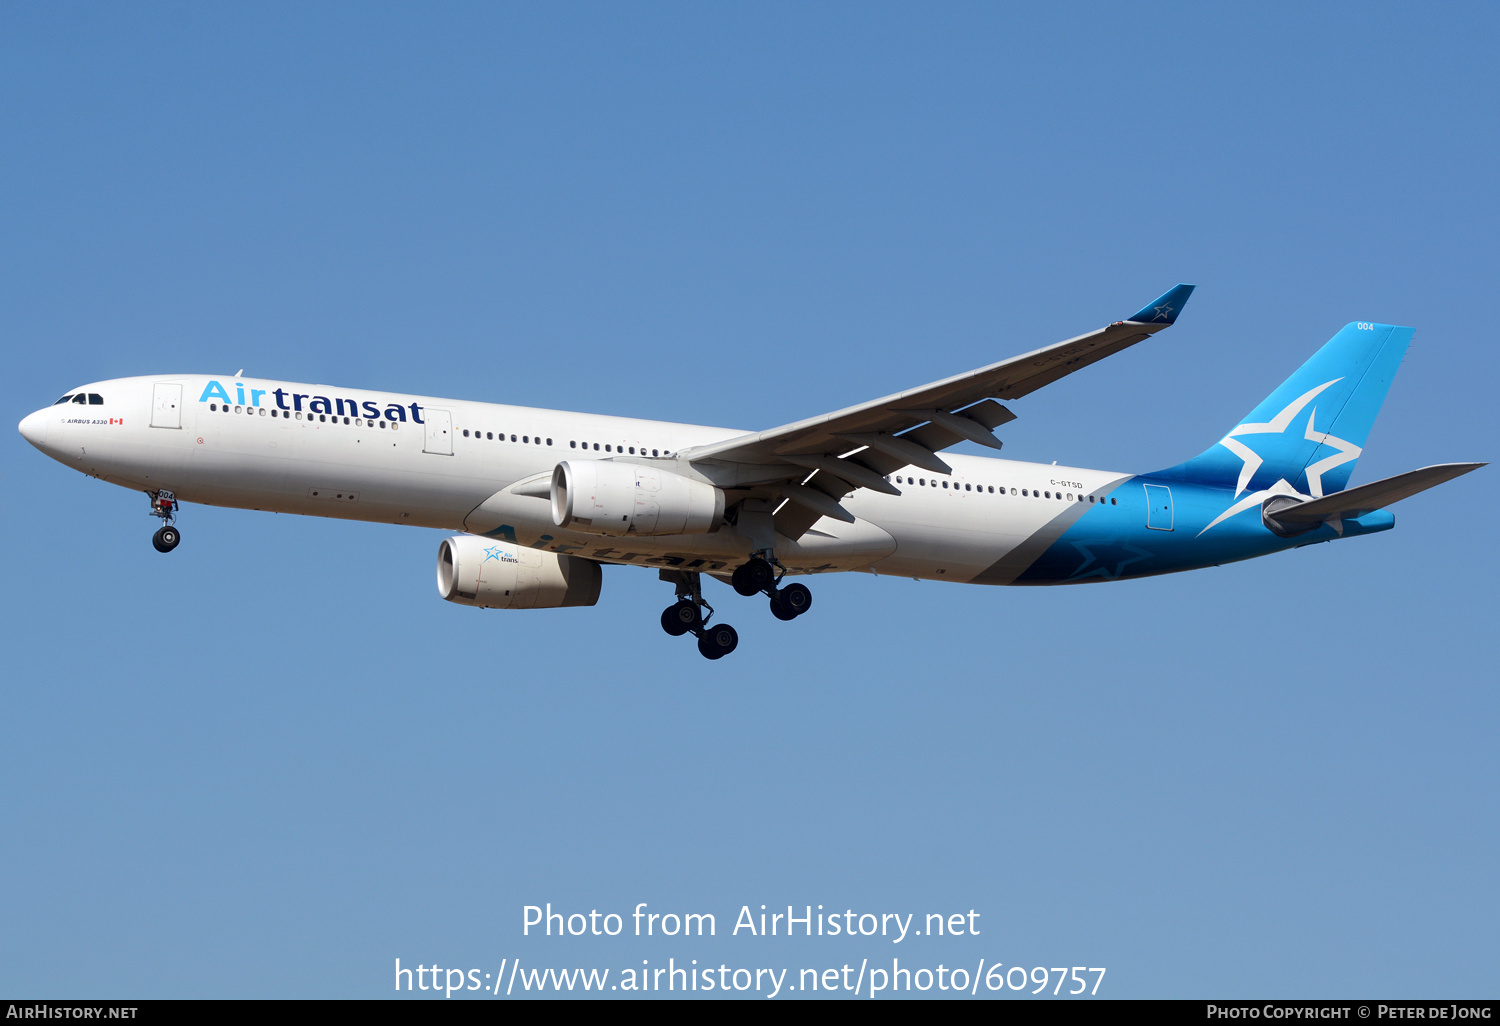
493 552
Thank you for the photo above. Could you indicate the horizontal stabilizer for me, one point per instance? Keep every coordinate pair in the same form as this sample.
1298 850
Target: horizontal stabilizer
1356 502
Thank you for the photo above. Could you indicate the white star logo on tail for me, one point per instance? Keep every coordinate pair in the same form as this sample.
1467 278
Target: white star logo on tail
1277 425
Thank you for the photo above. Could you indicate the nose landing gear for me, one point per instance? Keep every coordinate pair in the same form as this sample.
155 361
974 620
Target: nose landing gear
687 616
759 576
164 505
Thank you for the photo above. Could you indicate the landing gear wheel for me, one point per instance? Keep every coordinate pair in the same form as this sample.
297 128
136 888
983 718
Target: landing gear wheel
796 598
166 539
680 618
780 609
753 577
717 641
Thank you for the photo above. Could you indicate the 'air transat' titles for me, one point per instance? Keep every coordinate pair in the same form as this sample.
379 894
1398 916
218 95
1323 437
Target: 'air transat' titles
315 403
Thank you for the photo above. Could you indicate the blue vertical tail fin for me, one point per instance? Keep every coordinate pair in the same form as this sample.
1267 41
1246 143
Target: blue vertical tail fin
1309 431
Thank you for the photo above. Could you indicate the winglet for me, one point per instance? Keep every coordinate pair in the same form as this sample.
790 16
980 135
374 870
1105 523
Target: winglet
1165 308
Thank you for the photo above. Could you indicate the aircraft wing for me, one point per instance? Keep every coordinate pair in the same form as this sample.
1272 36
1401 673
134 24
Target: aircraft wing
827 457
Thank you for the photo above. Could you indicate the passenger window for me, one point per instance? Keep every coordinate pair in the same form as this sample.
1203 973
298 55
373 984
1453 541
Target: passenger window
382 423
572 445
655 453
212 407
95 399
992 489
512 438
967 488
1114 502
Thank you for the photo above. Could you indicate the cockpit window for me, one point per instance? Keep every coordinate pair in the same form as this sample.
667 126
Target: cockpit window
95 399
80 398
64 399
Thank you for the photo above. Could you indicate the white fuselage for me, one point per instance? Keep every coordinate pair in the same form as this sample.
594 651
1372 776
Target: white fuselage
442 463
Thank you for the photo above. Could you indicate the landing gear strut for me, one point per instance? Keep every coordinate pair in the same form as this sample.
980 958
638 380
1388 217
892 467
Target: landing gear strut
759 576
164 505
687 616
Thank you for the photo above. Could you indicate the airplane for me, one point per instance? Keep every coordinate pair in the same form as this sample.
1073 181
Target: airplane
543 498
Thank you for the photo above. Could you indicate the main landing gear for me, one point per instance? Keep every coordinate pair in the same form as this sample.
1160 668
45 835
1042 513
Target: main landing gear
690 614
759 576
686 616
164 505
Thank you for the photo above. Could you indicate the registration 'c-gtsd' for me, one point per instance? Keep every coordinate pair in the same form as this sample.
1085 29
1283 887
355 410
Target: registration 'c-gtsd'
543 498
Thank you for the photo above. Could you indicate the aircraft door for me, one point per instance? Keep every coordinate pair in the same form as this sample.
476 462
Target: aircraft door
439 432
166 405
1158 507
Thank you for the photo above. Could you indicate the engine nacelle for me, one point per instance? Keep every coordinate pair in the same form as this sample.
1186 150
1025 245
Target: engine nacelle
614 499
495 575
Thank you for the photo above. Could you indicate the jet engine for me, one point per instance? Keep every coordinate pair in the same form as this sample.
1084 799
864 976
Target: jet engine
495 575
614 499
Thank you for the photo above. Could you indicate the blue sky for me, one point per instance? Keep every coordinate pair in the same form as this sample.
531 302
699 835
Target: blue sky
275 761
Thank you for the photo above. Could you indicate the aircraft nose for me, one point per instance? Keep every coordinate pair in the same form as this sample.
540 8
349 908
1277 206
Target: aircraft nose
34 428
